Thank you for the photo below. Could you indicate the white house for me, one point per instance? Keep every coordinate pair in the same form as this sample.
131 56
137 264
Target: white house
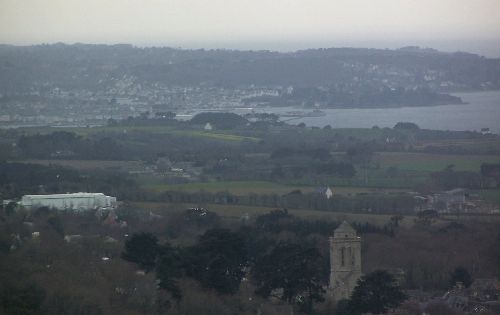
75 202
325 191
208 126
328 193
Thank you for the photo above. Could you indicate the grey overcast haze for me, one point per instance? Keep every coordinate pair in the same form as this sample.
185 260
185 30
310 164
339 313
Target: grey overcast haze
449 25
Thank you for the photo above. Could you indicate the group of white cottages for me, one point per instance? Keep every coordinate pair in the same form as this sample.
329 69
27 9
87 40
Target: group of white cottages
74 202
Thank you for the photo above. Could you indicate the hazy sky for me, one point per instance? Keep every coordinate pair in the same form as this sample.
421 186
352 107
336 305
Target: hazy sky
274 24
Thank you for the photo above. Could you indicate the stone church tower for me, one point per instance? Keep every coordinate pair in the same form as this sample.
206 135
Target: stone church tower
345 261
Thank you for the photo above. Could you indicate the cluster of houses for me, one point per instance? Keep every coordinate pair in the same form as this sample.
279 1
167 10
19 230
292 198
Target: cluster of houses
481 297
457 200
443 202
124 98
176 170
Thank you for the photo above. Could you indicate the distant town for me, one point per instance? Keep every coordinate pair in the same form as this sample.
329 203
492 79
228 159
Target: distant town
90 84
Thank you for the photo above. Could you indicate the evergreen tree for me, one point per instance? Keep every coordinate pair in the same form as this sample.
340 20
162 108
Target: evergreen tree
218 260
460 274
375 293
142 249
169 268
292 270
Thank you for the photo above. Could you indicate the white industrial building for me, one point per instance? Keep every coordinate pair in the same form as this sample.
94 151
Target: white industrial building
76 201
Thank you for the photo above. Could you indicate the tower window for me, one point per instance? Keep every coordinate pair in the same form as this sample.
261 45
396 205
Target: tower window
342 256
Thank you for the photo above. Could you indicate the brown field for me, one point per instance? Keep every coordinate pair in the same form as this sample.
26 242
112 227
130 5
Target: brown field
433 162
236 212
459 142
241 188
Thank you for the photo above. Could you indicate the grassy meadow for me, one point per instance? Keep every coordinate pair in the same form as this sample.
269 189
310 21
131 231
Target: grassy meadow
153 130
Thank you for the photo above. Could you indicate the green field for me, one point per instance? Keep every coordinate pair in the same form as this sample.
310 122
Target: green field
433 162
214 135
158 130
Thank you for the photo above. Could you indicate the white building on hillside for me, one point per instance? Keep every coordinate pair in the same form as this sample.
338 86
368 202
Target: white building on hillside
208 127
75 202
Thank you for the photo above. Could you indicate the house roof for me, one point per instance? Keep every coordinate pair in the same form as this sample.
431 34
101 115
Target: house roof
322 190
455 191
68 195
488 283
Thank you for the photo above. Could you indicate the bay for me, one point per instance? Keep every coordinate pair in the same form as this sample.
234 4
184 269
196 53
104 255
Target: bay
481 111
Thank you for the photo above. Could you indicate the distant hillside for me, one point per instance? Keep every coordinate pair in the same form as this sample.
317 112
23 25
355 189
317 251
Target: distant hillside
96 67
